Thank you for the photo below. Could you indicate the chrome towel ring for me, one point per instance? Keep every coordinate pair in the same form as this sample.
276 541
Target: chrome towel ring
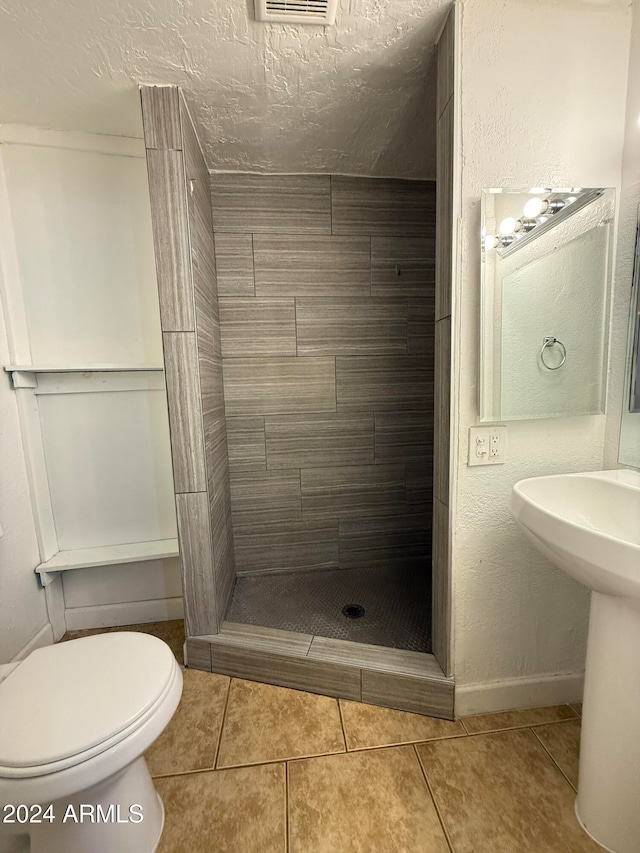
550 342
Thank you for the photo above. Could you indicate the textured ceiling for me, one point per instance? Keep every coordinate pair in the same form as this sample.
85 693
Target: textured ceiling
357 98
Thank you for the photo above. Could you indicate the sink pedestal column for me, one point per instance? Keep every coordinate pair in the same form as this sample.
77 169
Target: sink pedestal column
608 804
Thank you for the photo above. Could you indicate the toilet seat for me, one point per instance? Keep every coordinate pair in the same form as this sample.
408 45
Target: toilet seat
68 703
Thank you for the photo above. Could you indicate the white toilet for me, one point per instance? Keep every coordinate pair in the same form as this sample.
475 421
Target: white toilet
75 720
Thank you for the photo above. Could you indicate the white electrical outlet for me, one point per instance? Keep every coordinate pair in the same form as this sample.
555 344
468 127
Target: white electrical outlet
487 445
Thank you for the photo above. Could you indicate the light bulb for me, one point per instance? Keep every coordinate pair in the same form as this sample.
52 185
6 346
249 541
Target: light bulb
490 242
534 207
508 226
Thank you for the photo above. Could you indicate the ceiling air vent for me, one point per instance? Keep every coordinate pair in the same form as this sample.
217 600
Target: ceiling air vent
321 12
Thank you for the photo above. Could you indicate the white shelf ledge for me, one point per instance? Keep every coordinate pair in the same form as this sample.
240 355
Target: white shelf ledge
107 555
86 368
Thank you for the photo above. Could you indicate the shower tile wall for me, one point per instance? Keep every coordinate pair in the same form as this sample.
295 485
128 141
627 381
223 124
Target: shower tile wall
326 298
185 267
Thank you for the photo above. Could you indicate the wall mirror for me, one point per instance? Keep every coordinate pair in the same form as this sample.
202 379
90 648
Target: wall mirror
629 453
545 294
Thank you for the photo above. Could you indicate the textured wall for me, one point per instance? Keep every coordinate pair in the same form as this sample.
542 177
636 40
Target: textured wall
186 273
625 446
516 614
356 98
328 367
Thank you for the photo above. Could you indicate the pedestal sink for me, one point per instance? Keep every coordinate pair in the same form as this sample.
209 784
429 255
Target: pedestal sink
589 526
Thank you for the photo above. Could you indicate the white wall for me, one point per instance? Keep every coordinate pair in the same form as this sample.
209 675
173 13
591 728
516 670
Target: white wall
79 287
524 121
23 611
628 220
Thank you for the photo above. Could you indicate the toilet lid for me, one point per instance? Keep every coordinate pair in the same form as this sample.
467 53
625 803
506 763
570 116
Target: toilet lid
63 700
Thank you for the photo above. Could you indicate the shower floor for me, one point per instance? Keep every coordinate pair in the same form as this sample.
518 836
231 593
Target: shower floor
396 602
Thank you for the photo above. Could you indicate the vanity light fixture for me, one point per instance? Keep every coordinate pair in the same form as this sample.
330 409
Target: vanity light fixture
538 216
537 206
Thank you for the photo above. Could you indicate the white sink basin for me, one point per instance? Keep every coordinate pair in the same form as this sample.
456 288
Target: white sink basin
589 526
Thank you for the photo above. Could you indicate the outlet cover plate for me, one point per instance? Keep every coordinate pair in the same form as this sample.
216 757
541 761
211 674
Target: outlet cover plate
487 445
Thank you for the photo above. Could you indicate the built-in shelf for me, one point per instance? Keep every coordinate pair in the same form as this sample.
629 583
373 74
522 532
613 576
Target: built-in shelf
86 368
107 555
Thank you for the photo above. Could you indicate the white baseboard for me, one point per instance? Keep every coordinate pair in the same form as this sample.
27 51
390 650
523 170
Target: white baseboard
128 613
44 637
515 693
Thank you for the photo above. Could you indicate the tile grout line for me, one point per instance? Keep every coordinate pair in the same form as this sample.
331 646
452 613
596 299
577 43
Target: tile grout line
433 799
555 763
376 748
520 727
344 731
224 719
265 763
287 832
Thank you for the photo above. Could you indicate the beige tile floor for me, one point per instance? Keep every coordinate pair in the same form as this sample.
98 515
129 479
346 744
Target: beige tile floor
246 767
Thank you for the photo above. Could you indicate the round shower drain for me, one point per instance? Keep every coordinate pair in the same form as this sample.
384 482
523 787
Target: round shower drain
353 611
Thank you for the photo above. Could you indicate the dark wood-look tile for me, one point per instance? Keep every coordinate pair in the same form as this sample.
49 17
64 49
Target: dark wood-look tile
420 482
403 266
403 435
444 203
324 266
161 117
196 563
195 164
351 326
234 264
257 327
367 656
389 540
169 219
441 410
266 639
276 204
445 52
502 792
198 654
420 326
279 385
185 414
285 670
261 497
384 382
409 693
246 443
353 490
287 546
441 588
311 441
219 495
383 207
223 550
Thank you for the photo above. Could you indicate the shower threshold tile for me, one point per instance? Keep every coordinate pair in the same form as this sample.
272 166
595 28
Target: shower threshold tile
396 602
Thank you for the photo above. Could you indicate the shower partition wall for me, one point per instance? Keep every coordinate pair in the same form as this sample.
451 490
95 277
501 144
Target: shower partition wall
186 275
312 485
